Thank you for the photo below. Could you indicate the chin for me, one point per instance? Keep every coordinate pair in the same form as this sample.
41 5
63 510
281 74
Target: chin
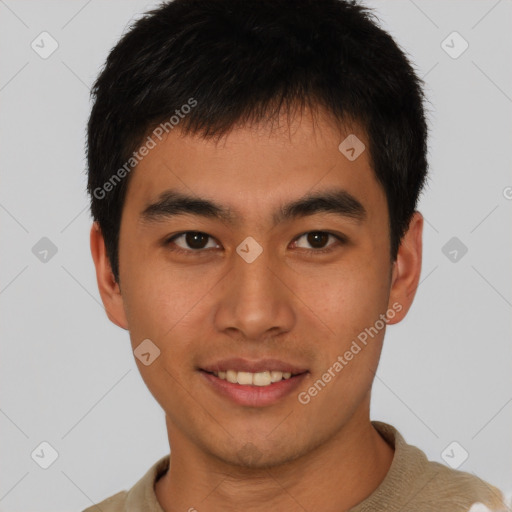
259 454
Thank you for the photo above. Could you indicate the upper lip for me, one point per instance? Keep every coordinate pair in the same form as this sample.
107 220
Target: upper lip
253 366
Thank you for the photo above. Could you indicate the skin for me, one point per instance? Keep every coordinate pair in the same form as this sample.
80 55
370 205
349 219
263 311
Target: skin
287 304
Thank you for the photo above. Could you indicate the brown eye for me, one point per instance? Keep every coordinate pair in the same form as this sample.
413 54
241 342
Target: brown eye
316 239
191 241
196 240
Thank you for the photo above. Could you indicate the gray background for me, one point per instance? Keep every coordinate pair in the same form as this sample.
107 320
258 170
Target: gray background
68 376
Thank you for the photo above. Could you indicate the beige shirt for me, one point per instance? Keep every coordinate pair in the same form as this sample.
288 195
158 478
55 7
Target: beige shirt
412 484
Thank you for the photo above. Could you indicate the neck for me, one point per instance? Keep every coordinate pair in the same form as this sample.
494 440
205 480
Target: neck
335 476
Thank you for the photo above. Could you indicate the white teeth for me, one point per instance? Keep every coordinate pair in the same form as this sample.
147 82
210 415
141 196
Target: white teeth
244 378
230 376
261 379
276 376
265 378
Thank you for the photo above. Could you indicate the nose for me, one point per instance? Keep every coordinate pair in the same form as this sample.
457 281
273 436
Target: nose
255 301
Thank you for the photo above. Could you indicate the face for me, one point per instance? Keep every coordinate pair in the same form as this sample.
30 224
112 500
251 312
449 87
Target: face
280 266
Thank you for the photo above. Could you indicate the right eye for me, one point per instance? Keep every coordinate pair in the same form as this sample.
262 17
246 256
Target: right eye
189 242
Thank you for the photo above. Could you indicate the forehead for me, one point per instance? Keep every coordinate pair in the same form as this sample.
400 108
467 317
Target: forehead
258 165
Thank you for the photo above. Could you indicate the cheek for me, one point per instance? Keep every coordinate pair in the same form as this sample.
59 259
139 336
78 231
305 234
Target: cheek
161 308
166 304
154 304
346 297
349 351
346 308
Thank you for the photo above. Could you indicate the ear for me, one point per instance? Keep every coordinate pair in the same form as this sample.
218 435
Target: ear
406 269
108 287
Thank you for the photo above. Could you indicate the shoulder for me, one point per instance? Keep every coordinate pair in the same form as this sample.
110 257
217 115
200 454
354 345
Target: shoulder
420 484
115 503
460 490
141 496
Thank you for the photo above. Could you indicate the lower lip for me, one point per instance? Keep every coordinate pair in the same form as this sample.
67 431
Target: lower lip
254 396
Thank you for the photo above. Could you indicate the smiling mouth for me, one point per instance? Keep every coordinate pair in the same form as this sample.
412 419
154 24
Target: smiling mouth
254 389
262 379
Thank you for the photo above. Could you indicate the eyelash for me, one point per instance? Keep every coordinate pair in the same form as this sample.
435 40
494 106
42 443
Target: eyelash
340 240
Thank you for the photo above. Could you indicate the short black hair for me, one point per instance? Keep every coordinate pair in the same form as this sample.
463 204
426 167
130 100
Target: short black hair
213 65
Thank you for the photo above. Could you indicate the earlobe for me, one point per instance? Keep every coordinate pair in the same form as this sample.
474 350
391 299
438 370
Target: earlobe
108 287
407 268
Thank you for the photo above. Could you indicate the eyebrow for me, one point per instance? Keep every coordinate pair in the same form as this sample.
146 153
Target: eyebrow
172 203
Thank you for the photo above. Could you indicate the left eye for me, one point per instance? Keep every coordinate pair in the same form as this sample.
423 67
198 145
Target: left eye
317 239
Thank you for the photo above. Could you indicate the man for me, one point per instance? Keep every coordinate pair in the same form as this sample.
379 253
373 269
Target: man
254 171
